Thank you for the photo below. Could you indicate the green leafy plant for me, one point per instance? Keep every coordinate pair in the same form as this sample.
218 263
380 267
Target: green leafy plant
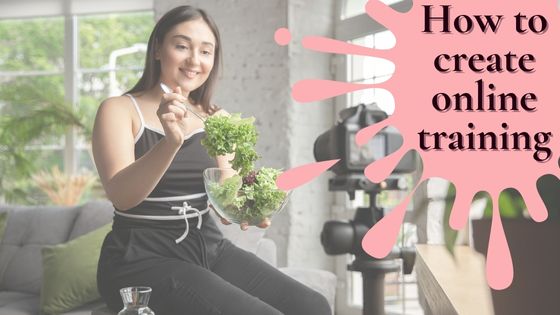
249 201
61 188
232 134
250 195
510 202
42 119
33 111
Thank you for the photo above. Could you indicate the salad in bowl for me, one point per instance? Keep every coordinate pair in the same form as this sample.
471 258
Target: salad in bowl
240 194
244 199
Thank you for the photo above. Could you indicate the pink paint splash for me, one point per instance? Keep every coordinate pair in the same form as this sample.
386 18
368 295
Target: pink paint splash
282 36
499 266
329 45
461 206
472 171
365 134
317 90
379 240
301 175
380 170
414 85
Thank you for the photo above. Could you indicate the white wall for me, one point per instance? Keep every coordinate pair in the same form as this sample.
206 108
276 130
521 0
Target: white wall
257 76
312 202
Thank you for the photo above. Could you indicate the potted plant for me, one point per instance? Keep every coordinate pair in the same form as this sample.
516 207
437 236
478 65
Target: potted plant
533 247
29 119
61 188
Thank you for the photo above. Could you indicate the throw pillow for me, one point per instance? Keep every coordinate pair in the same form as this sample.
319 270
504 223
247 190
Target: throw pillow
3 221
70 272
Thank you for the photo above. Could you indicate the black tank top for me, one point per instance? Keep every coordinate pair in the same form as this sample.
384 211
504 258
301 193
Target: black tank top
183 177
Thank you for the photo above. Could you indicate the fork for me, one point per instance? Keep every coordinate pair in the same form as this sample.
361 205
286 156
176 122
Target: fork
166 89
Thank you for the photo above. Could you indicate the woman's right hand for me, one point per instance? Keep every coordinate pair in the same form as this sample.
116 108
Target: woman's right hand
265 223
172 114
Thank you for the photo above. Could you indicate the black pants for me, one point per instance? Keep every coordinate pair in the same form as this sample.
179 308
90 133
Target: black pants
204 274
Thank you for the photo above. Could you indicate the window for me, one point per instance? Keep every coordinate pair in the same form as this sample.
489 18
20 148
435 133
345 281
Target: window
364 69
353 8
354 26
74 60
109 64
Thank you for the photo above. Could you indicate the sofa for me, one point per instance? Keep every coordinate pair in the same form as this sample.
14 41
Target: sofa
29 229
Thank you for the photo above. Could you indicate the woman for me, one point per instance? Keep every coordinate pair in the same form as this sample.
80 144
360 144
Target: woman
147 149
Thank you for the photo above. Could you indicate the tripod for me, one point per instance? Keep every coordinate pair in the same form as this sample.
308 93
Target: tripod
373 270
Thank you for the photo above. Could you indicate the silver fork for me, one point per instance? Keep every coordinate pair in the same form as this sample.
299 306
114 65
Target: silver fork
166 89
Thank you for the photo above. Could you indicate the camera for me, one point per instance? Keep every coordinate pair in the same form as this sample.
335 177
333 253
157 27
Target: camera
345 237
339 143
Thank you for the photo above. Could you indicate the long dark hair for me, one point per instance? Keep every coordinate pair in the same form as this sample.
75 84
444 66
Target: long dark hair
152 69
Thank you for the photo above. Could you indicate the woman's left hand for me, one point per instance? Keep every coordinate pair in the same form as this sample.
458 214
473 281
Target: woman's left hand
243 225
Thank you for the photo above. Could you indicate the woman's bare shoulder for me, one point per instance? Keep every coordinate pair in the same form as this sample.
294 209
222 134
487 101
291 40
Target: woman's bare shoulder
116 105
113 111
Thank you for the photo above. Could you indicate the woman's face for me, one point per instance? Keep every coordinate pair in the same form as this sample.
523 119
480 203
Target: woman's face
187 55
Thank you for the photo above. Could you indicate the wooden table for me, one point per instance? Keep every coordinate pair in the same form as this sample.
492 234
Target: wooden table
453 286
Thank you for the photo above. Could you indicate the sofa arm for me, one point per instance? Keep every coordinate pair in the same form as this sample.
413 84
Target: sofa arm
321 281
266 250
102 310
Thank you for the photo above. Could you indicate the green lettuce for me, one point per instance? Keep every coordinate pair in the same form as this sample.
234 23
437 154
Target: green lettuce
252 195
232 134
249 203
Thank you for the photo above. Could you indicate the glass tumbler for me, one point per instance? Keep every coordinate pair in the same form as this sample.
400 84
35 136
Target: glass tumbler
135 301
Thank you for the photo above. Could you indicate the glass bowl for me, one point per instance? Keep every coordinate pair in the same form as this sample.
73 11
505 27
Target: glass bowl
250 199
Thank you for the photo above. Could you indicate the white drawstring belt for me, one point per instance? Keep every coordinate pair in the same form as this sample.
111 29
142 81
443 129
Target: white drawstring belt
183 211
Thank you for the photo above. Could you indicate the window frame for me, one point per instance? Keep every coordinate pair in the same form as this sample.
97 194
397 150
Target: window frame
71 11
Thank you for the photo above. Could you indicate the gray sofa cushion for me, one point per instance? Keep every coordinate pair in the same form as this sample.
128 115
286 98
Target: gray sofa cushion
27 231
321 281
104 310
93 215
247 240
16 303
86 309
31 228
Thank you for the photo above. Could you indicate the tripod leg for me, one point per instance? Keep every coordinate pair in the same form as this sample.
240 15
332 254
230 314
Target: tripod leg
374 293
